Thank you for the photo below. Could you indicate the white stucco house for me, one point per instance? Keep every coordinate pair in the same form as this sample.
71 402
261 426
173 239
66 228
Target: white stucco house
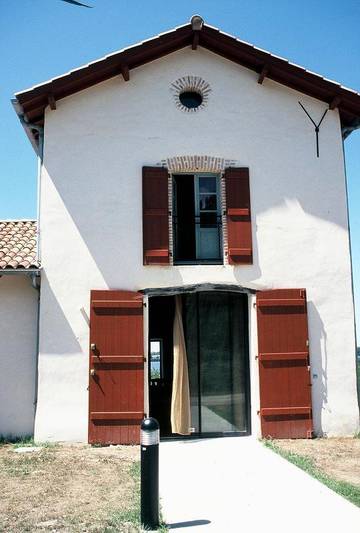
191 256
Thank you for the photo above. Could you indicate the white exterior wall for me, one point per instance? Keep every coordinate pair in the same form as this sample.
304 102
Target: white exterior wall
96 143
18 334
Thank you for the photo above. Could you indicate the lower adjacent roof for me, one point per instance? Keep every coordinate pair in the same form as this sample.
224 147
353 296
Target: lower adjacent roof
18 245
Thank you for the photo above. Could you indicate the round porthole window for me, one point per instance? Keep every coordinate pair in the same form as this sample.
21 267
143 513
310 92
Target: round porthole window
190 99
190 93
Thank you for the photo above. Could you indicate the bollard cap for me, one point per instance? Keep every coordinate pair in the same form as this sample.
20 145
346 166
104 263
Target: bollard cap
150 432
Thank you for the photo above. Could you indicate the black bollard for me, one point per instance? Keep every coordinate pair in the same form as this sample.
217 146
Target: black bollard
149 441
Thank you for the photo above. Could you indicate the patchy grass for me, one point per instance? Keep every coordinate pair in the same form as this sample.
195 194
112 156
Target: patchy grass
21 441
25 463
350 491
70 488
65 488
131 517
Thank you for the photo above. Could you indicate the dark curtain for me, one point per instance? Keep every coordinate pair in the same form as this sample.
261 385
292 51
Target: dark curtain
216 338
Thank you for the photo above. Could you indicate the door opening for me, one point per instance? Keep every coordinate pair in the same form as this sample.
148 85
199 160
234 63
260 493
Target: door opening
215 328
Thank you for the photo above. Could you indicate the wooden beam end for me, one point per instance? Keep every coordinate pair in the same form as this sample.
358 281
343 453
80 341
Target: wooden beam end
52 102
264 72
335 102
195 41
125 72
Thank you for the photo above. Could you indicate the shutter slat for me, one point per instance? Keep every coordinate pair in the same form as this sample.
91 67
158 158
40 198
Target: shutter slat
126 415
118 359
125 304
238 216
238 212
116 387
155 212
282 302
278 356
155 216
273 411
284 371
237 252
156 253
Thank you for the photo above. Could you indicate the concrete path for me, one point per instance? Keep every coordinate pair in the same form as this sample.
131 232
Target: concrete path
235 484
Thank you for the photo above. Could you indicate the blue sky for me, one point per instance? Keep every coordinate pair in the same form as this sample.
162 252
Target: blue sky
40 39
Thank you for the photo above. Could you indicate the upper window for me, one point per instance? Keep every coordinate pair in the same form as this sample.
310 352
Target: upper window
197 219
194 233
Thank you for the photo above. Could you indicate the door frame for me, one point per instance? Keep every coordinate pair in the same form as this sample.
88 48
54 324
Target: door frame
248 347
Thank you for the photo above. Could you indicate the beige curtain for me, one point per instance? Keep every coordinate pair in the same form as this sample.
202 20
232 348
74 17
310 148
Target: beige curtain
180 399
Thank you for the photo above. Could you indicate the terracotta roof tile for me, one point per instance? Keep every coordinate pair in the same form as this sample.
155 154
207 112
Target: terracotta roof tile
18 244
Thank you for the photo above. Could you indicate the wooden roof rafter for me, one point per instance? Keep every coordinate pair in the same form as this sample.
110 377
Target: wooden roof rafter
31 103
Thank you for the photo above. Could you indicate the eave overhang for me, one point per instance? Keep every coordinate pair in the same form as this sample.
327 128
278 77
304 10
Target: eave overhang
30 104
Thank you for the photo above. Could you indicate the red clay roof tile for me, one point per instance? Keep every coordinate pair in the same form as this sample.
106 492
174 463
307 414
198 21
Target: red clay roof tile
18 244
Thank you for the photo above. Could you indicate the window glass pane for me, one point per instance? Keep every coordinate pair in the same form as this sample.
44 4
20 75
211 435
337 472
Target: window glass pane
208 220
207 184
223 362
155 359
207 202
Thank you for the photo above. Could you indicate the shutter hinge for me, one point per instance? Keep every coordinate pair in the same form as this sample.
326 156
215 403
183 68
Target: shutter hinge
144 304
307 342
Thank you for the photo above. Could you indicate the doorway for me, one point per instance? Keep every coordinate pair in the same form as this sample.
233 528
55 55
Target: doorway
215 328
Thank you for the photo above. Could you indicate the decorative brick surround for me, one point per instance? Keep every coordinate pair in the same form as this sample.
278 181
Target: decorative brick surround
171 233
197 163
190 83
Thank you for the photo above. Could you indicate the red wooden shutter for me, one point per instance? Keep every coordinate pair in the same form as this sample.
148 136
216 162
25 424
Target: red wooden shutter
284 367
155 216
116 382
238 216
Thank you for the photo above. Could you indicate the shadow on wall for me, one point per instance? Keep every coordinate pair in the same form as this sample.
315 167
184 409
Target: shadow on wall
112 233
53 319
317 341
246 274
107 212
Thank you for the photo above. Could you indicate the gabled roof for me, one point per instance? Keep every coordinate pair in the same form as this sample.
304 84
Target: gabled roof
31 103
18 245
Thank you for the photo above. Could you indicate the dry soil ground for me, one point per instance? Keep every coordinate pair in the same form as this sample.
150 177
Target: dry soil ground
67 488
337 457
79 488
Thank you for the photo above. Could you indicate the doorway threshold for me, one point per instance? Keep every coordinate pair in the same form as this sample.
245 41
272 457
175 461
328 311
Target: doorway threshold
198 436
